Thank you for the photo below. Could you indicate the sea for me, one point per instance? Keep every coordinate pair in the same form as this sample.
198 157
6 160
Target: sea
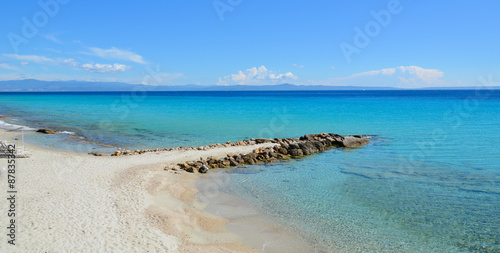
429 181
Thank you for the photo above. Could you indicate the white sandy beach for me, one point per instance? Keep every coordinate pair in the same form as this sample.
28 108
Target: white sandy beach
70 202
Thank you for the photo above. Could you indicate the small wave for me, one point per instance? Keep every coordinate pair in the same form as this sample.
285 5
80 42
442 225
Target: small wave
13 127
66 132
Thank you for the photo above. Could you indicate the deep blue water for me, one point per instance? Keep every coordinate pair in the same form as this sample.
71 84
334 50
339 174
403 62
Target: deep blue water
429 180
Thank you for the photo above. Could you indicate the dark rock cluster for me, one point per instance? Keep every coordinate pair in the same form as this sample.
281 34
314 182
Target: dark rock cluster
46 131
284 149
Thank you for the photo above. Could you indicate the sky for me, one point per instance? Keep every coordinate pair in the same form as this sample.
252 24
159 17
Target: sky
389 43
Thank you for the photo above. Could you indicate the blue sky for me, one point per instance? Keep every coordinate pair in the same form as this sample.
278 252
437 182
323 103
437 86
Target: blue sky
371 43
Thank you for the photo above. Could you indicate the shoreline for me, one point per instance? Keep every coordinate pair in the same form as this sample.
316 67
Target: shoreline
170 200
132 197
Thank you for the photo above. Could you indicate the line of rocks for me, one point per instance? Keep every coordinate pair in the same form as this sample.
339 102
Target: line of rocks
284 149
218 145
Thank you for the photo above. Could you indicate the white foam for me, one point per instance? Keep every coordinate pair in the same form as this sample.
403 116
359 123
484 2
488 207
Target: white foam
13 127
67 132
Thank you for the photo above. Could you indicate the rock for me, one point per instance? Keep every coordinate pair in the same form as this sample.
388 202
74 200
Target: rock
250 155
233 162
272 160
240 143
203 169
249 158
354 141
295 152
183 165
226 163
308 148
281 156
319 145
283 151
238 159
284 145
262 140
305 138
46 131
97 153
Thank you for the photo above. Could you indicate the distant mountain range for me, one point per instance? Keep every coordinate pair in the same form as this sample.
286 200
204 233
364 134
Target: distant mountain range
31 85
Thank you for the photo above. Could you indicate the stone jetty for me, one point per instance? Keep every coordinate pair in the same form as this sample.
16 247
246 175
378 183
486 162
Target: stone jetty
283 150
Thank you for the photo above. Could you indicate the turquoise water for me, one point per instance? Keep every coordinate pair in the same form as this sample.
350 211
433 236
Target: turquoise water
429 180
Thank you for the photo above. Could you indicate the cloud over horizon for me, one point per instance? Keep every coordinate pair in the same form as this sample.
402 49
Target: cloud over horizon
256 76
416 73
117 54
28 58
7 66
398 77
105 68
69 62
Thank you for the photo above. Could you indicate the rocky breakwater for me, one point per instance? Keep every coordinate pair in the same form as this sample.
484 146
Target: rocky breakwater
218 145
284 149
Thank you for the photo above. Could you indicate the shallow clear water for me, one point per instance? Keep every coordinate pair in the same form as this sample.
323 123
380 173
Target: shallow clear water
429 180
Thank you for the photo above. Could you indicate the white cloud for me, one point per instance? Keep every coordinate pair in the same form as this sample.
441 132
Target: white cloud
258 76
298 66
118 54
105 68
408 75
402 77
240 77
53 50
288 75
69 62
52 37
332 67
389 71
426 75
29 58
7 66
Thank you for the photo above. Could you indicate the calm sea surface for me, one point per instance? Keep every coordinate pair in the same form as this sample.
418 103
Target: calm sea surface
428 181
